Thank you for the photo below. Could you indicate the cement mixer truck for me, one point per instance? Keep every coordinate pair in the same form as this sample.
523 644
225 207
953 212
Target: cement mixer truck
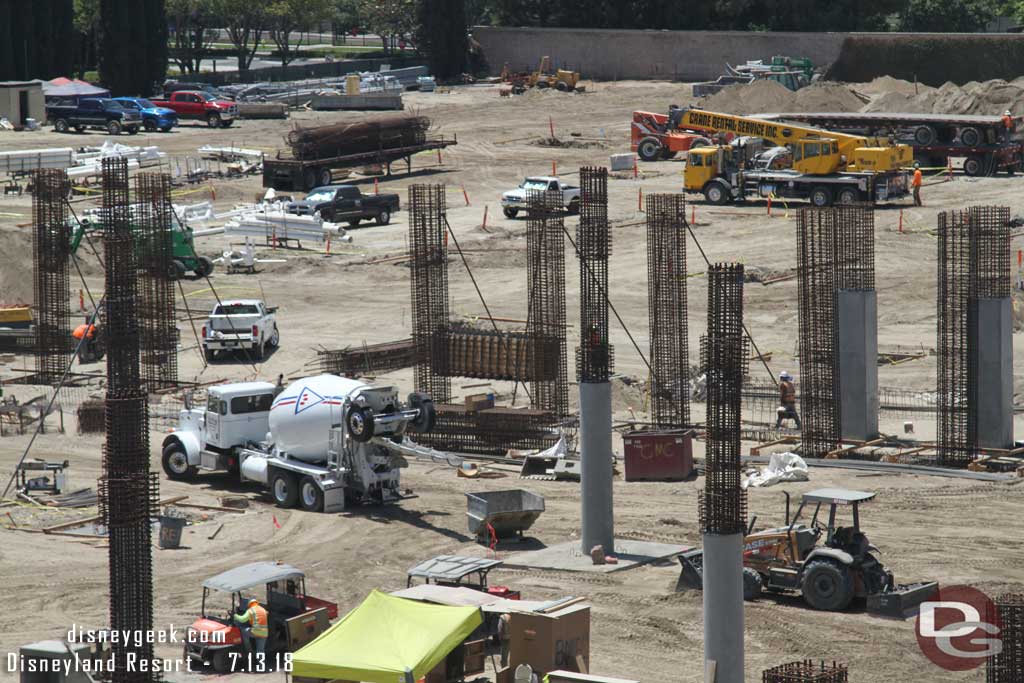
319 444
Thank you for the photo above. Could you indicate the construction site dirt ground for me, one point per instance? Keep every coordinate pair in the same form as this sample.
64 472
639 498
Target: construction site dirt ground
950 530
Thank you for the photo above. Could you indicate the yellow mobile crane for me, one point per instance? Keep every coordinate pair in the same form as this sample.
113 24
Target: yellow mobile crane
807 163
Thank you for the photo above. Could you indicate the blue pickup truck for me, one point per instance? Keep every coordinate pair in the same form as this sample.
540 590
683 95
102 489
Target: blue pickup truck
94 112
153 117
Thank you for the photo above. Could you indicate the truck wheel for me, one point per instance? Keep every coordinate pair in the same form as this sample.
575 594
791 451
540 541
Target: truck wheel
325 176
428 415
175 462
222 661
360 423
275 338
149 125
821 196
310 496
847 196
259 351
827 586
204 266
574 206
649 149
562 86
309 177
716 192
699 142
114 128
213 120
973 166
284 488
970 136
134 130
61 126
510 212
384 217
752 584
925 135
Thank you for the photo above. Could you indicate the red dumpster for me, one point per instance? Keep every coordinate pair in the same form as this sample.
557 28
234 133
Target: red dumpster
658 455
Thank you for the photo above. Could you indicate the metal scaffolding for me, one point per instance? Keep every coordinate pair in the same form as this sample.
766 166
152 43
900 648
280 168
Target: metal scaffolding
974 264
51 251
1008 665
667 311
723 502
817 256
807 672
545 283
128 491
159 339
595 355
430 309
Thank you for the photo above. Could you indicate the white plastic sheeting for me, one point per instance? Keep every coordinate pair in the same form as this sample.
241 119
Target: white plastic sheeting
781 467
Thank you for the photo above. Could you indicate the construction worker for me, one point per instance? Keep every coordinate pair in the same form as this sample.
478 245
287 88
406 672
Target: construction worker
787 401
1008 122
915 184
254 627
504 636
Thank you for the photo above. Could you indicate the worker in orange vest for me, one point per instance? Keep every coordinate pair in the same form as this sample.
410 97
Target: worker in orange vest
255 630
915 184
1008 122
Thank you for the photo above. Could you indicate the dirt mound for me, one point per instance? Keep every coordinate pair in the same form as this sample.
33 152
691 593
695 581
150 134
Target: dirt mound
987 98
884 85
768 96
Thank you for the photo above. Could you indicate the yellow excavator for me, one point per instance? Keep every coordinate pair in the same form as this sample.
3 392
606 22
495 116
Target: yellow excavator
759 158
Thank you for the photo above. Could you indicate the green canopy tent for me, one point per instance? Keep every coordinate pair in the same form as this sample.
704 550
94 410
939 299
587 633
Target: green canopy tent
386 640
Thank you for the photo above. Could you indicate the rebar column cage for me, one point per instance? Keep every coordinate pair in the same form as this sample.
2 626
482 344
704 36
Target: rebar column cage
545 284
973 264
723 502
667 310
1008 665
818 256
51 251
155 251
807 672
430 309
594 356
128 491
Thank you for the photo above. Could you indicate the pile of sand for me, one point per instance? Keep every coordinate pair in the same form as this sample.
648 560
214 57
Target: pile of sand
884 94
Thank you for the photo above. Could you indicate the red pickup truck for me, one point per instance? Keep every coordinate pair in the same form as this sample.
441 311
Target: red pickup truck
193 104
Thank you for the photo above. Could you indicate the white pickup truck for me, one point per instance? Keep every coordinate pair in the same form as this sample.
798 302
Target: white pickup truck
240 324
514 201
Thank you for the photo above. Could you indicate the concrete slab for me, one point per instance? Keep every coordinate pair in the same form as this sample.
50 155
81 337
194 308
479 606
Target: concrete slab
568 557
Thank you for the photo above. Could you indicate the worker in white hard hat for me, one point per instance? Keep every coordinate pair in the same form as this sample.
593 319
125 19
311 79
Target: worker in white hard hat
1008 122
787 401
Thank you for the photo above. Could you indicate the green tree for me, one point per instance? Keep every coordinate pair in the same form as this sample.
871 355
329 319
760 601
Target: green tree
389 19
86 28
245 21
946 16
285 17
346 15
129 66
35 39
191 23
442 34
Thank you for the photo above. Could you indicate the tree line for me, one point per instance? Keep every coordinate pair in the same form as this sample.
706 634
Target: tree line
132 43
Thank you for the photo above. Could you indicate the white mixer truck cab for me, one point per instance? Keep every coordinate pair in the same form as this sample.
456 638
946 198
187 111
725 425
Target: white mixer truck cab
208 438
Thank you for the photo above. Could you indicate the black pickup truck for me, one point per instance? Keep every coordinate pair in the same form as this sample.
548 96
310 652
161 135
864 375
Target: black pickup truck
345 203
94 112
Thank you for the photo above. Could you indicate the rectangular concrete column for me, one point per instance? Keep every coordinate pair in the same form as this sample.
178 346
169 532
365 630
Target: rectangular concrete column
994 362
723 606
596 470
857 322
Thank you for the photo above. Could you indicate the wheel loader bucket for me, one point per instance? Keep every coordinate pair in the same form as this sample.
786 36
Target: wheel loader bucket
691 575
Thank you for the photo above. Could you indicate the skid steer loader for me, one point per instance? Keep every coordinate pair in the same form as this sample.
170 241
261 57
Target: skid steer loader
829 565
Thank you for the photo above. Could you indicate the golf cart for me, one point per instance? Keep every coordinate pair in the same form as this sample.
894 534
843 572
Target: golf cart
294 617
828 564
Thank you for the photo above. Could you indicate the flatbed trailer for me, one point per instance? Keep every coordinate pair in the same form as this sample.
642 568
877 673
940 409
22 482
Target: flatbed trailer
982 141
844 188
288 173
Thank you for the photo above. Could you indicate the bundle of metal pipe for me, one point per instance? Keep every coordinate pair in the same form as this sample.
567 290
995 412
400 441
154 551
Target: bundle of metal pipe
368 135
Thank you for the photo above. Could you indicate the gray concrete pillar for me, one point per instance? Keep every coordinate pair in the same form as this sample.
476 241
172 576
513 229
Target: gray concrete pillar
994 358
598 527
857 313
723 607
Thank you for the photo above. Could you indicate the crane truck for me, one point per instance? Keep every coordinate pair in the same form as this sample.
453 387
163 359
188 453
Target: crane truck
318 443
821 166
